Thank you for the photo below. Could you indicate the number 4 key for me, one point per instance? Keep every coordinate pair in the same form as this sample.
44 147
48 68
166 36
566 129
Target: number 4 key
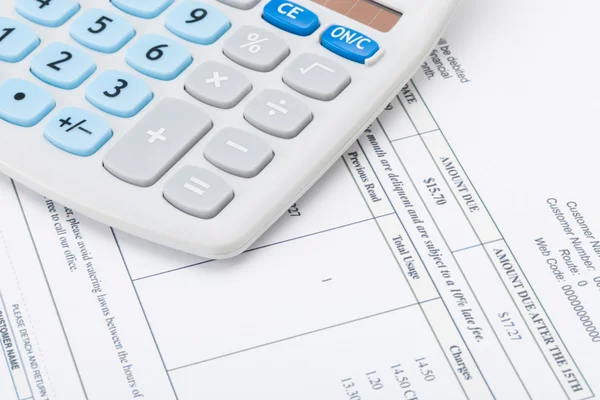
51 13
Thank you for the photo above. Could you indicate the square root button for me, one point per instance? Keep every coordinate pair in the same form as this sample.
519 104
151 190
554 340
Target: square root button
316 77
198 192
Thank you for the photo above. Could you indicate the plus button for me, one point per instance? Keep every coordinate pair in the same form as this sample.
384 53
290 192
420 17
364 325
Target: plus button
217 79
154 136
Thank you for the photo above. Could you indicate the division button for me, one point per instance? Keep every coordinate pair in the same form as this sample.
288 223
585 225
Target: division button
239 153
256 49
77 131
157 142
198 192
317 77
278 114
218 85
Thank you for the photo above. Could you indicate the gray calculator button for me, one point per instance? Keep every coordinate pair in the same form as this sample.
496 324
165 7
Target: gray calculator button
157 142
218 85
241 4
239 153
198 192
278 114
256 49
317 77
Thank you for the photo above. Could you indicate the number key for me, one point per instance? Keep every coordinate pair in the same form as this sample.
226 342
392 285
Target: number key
119 93
159 57
102 31
62 66
143 8
197 22
51 13
17 40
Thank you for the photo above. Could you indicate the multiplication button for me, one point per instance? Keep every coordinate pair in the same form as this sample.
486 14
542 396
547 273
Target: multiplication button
317 77
198 192
256 49
278 114
218 85
157 142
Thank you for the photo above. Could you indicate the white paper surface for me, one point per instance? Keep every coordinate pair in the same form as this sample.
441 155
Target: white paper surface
453 253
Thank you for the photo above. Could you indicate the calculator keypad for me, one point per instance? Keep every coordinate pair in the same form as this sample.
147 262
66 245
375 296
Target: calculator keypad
24 104
158 141
63 66
198 192
17 40
278 114
256 48
159 57
164 135
316 76
119 93
50 13
102 31
241 4
143 8
197 22
218 85
239 153
77 131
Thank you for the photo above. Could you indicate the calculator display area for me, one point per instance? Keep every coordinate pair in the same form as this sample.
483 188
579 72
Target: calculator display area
364 11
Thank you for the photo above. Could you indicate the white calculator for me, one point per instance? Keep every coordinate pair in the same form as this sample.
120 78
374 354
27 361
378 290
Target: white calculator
195 124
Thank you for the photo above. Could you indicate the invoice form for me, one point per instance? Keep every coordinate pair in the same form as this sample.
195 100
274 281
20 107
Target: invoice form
453 253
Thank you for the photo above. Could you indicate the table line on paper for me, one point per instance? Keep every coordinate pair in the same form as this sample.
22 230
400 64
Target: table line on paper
41 264
143 311
408 282
264 246
287 339
488 213
453 256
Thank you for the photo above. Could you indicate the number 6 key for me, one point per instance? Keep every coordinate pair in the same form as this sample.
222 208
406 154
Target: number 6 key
159 57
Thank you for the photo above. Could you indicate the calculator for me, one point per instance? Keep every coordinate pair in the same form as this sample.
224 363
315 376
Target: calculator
196 124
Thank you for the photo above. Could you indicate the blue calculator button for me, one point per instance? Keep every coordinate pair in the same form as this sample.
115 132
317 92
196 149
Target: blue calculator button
349 43
119 93
291 17
23 103
62 66
159 57
143 8
51 13
102 31
197 22
17 40
77 131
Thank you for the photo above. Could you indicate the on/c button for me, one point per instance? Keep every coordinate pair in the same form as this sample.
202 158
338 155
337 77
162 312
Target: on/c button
291 17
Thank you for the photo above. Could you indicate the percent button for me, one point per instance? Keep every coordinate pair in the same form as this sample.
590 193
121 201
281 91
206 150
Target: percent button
256 49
